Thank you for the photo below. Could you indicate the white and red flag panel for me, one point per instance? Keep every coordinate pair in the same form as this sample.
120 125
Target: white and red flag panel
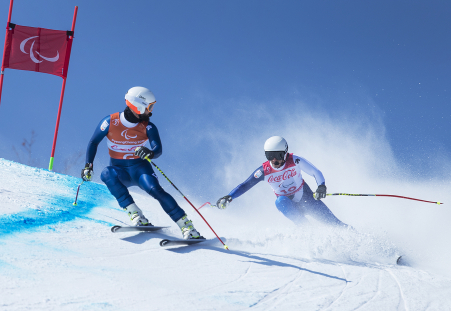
37 49
41 50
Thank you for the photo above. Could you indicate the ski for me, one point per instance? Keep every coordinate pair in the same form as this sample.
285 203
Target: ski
115 229
180 242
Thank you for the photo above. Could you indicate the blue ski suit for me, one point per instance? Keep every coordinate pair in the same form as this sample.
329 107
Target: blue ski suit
124 172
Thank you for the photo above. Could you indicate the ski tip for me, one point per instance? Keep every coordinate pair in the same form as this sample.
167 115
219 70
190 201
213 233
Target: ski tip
114 228
180 242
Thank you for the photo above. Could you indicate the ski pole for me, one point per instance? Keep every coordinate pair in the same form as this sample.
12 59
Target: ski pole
206 204
150 161
379 195
78 189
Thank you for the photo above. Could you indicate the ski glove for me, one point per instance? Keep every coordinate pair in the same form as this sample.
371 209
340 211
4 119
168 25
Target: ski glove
320 192
87 172
224 202
144 153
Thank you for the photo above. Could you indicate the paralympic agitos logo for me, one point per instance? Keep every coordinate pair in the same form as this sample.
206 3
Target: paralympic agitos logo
287 174
32 52
124 134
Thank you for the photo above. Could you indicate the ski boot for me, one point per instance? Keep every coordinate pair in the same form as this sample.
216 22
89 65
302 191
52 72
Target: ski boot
187 228
136 215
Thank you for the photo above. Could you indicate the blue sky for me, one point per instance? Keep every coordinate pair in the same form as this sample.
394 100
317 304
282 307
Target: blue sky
218 66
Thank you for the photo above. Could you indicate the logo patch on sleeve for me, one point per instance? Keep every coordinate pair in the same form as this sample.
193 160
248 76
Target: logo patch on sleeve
149 127
104 125
258 174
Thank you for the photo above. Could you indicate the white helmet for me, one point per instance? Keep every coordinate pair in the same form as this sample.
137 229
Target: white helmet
139 99
276 147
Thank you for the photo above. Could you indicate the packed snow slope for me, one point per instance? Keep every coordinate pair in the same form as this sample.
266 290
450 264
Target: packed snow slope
56 256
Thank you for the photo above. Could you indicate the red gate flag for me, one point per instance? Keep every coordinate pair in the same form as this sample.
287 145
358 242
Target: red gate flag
41 50
37 49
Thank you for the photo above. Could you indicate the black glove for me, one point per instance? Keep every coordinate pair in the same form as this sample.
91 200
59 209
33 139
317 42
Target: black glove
87 172
144 153
224 202
320 192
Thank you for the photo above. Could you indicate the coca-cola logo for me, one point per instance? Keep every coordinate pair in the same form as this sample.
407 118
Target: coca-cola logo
287 174
116 147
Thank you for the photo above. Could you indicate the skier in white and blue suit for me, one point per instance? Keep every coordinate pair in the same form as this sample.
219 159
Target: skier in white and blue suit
283 173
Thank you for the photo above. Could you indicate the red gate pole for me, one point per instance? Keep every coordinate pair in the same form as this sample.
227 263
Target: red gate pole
66 67
4 50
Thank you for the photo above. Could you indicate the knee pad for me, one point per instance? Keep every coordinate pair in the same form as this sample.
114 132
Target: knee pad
282 203
108 174
157 192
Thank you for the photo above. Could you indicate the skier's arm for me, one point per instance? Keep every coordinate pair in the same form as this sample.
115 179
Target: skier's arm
100 132
154 140
254 179
310 169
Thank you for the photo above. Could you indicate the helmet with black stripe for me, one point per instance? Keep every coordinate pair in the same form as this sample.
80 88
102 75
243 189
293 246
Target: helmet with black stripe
276 147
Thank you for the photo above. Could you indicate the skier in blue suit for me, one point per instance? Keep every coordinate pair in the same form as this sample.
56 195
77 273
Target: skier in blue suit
127 134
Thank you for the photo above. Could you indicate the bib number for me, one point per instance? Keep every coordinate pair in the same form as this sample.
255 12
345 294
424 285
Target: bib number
291 189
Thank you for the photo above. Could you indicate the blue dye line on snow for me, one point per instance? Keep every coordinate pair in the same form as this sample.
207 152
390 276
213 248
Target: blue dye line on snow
58 209
4 264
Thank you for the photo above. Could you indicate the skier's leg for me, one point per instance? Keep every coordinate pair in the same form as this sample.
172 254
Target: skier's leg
291 210
145 178
317 209
148 181
150 185
117 180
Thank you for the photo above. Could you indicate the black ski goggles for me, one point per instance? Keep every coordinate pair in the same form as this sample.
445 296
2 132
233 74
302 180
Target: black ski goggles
278 155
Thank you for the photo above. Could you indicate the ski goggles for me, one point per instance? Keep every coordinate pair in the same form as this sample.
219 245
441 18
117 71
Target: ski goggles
140 106
278 155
